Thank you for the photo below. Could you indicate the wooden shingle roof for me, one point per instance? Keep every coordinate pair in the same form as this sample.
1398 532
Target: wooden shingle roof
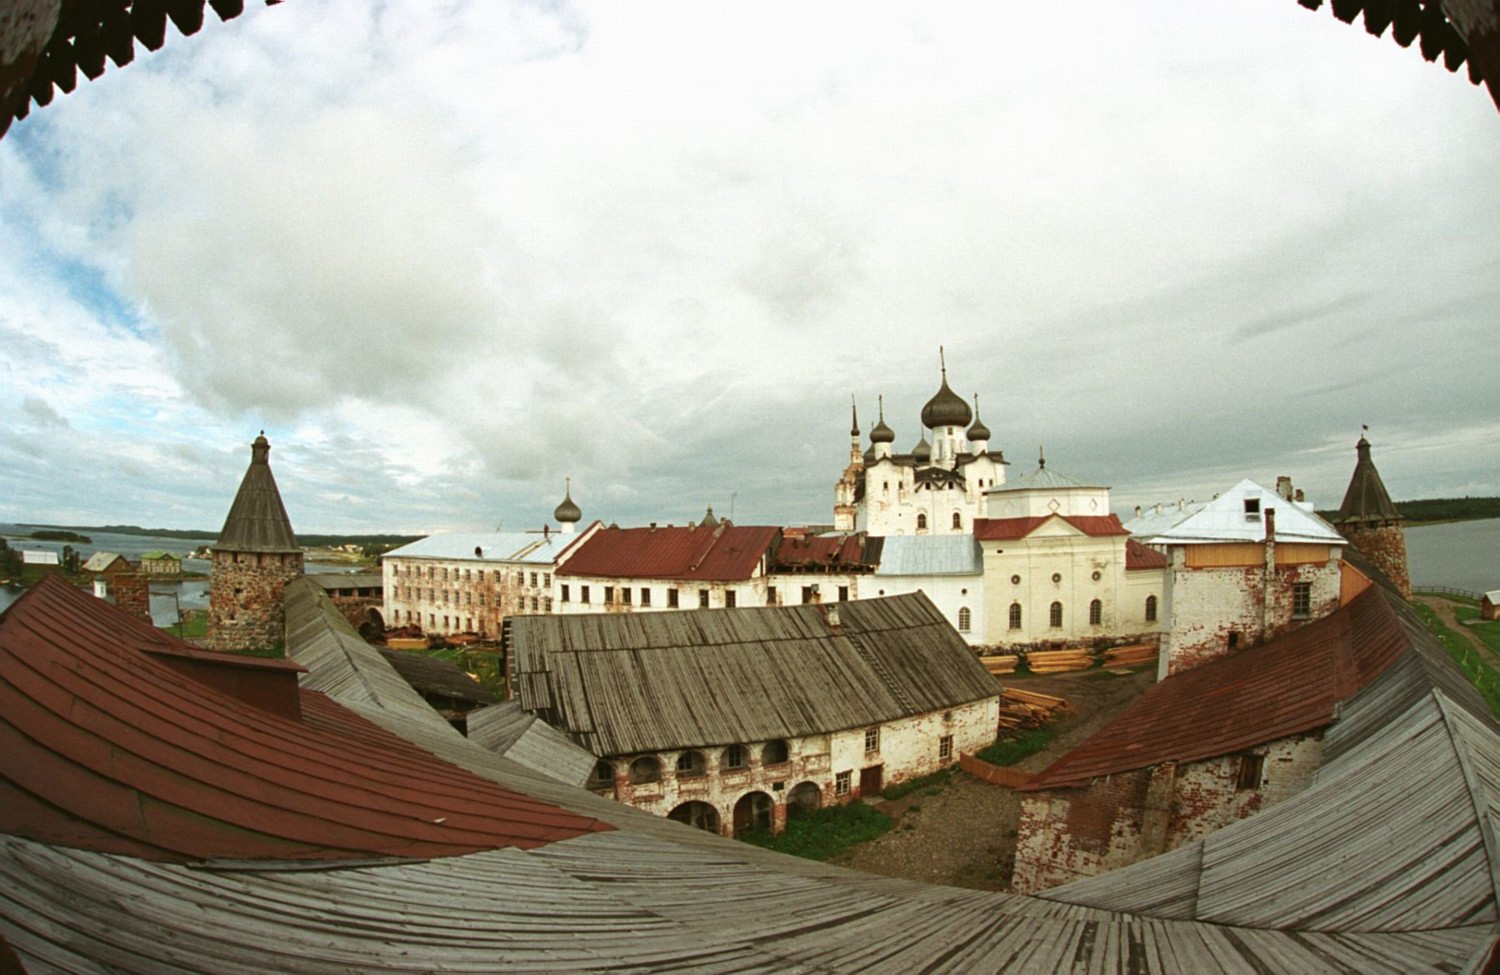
257 520
625 683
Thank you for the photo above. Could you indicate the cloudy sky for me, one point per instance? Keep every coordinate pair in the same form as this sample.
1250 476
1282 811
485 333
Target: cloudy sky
447 255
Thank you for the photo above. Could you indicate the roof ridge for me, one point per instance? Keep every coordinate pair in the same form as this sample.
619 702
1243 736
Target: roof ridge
1474 787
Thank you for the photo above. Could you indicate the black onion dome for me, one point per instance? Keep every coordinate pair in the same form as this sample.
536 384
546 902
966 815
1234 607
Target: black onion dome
946 409
568 512
922 452
978 431
882 433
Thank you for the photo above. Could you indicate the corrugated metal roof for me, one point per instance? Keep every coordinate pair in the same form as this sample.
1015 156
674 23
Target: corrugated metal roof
104 746
626 683
1010 529
1224 519
257 520
1291 685
931 555
724 553
821 552
525 547
1138 556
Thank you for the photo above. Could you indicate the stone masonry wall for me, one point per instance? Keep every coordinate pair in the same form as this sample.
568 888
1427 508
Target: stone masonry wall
1384 545
1065 834
245 610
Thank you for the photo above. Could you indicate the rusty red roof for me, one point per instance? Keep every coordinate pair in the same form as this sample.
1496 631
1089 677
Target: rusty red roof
1138 556
722 553
1010 529
1288 686
105 746
821 552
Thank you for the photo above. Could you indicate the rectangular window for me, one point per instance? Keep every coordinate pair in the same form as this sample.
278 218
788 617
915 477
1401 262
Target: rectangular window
565 592
734 757
729 597
945 747
841 783
703 599
807 593
1251 768
534 606
672 598
481 575
520 578
609 595
533 579
547 604
872 740
546 578
625 595
1301 600
583 593
843 594
645 596
771 596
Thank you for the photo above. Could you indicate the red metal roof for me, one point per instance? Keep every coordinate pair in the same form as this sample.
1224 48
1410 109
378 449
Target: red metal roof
106 747
1138 556
1288 686
1010 529
819 551
725 553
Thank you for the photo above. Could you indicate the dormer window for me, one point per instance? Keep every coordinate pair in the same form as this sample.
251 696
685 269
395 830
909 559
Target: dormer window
1252 509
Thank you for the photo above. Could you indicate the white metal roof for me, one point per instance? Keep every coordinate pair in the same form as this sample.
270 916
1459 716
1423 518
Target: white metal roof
1225 519
930 555
1042 478
527 547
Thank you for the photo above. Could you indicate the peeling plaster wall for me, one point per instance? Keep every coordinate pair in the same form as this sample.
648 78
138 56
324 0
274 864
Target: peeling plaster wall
445 597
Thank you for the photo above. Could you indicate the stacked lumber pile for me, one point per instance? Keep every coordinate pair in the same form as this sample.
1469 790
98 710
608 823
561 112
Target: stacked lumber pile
1058 661
1138 653
1003 663
1028 709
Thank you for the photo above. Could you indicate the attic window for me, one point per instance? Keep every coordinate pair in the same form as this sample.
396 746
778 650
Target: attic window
1251 769
1252 509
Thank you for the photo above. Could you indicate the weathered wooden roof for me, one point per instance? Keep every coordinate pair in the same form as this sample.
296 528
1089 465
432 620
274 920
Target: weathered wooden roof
625 683
651 895
507 729
257 520
434 675
1366 498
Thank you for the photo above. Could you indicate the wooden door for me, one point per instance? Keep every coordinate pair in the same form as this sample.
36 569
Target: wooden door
871 781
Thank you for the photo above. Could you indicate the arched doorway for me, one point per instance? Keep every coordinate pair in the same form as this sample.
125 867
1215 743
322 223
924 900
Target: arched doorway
805 798
752 812
699 815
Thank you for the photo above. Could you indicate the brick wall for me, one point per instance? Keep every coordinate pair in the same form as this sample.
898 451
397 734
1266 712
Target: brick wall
131 590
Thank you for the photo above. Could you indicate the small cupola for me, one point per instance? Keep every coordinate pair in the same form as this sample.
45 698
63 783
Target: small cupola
567 513
978 433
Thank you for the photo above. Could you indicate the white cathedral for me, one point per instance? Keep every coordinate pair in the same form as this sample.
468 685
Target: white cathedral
937 489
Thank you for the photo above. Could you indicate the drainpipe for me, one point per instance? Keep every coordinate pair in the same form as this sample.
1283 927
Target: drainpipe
1268 600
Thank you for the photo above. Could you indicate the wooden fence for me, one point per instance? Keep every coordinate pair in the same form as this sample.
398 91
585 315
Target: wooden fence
994 774
1449 590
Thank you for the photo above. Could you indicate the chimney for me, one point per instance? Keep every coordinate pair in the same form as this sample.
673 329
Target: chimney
1284 487
262 682
1137 511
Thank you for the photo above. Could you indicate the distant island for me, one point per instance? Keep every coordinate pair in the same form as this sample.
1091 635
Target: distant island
59 535
1432 510
312 541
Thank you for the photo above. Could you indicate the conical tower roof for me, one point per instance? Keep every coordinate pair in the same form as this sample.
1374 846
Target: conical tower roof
257 520
1366 499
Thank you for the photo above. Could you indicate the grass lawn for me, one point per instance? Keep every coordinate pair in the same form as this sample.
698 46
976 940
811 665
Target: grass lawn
1010 750
934 782
1484 677
819 835
1488 631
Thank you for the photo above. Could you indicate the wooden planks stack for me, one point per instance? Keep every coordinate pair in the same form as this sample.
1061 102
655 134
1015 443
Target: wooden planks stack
1028 709
1004 663
1138 653
1059 661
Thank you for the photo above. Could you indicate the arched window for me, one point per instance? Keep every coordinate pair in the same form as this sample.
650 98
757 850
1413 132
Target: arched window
733 757
775 753
1015 616
603 775
1150 609
1096 613
645 770
963 619
691 763
1054 617
958 520
921 522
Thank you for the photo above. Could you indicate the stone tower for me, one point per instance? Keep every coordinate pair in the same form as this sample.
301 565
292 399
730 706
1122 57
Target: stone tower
1371 522
255 557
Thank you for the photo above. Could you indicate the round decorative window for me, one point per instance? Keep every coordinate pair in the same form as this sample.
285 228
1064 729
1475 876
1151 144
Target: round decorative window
1057 577
1096 577
1015 580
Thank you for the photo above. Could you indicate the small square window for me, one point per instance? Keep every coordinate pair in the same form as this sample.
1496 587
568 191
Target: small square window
872 740
841 783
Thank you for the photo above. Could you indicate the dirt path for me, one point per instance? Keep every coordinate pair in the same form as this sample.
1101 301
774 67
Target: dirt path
964 833
1444 610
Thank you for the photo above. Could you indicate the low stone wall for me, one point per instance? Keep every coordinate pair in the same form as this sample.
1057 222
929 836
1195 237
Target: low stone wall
994 774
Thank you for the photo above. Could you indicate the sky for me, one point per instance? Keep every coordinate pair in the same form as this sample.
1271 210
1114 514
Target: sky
448 255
